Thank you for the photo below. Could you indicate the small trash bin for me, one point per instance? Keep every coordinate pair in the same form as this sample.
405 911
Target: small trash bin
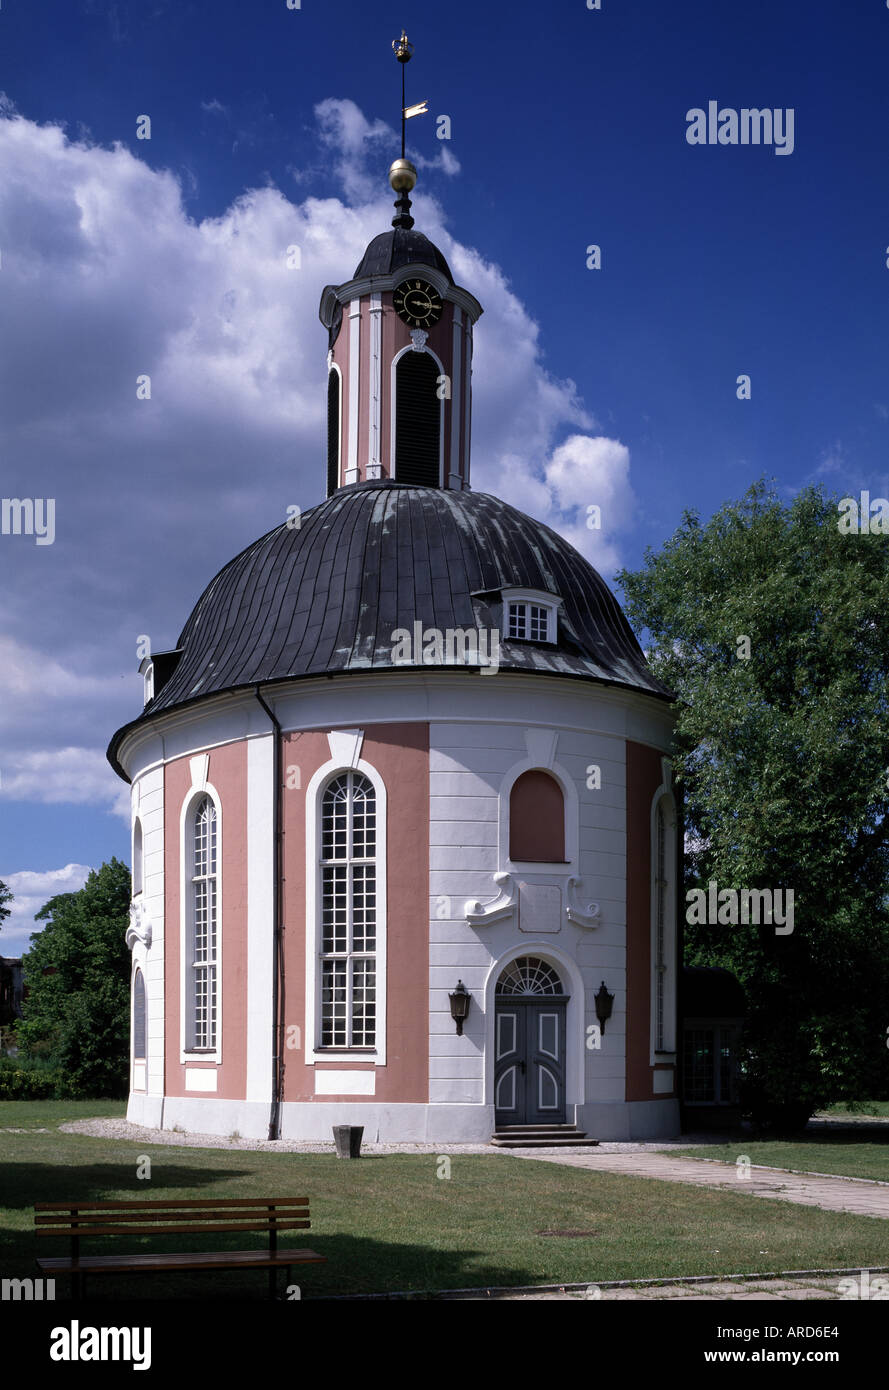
347 1139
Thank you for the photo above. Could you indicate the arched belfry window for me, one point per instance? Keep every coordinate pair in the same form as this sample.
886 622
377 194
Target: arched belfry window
202 947
417 420
348 861
537 819
138 1016
334 413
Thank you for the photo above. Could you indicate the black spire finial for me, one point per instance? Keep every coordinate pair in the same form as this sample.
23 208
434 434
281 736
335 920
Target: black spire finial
403 175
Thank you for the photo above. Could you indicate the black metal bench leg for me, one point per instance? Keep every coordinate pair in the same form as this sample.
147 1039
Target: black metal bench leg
272 1288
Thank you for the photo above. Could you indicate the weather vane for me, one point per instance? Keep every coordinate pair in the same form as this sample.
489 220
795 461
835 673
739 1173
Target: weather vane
402 174
404 51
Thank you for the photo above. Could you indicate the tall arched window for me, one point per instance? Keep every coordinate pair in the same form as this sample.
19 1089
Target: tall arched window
348 912
137 857
663 938
138 1016
417 420
537 819
203 931
333 431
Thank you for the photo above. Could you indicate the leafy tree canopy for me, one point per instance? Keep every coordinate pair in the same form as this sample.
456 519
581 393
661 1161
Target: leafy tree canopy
78 973
5 897
782 755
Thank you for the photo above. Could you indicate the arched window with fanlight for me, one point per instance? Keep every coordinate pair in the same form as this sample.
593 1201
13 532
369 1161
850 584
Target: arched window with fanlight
349 923
537 819
202 928
418 419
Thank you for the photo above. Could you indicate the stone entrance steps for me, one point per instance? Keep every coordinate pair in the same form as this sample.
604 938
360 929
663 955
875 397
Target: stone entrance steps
540 1137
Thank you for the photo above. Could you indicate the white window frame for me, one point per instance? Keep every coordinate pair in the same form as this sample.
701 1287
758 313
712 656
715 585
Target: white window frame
664 893
146 670
318 784
349 956
192 801
532 598
572 821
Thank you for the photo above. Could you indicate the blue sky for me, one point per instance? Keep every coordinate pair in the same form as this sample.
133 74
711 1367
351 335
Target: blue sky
272 126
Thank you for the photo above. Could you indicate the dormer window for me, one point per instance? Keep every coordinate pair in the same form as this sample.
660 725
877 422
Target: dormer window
146 670
530 616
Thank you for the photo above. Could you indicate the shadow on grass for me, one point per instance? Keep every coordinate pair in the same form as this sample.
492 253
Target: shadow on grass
839 1132
355 1264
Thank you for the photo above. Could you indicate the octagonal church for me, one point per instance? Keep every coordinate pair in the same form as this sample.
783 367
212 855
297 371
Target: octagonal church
404 843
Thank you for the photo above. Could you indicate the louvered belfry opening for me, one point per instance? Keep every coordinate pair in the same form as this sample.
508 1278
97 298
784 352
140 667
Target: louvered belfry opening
333 432
417 420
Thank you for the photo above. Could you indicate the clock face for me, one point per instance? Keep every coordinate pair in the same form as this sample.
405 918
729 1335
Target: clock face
418 303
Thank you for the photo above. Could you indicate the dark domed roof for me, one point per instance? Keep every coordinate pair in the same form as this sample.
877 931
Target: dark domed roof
397 247
374 557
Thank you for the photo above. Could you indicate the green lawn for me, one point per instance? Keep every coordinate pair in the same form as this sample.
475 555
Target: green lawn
862 1110
847 1155
390 1223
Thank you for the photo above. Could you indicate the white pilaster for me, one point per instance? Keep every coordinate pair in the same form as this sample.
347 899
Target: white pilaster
260 915
352 471
374 457
455 478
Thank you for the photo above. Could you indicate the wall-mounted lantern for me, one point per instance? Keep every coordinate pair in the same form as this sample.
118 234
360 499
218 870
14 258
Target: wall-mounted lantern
604 1005
460 1000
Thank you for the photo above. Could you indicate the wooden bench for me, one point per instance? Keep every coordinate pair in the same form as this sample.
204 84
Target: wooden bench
79 1220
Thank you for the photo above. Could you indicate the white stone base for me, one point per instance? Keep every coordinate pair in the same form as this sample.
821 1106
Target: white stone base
145 1110
626 1121
313 1123
388 1124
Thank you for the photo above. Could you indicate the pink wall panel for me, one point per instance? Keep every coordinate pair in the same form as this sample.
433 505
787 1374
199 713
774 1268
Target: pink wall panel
400 753
228 775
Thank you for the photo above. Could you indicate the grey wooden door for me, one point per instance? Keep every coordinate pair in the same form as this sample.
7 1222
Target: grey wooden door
529 1061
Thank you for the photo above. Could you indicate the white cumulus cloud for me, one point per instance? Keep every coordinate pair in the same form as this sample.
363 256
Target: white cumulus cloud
107 278
31 891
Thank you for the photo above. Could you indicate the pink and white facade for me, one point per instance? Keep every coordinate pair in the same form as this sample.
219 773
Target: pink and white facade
442 772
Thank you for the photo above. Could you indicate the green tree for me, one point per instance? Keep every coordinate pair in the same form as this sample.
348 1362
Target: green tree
78 975
5 897
783 763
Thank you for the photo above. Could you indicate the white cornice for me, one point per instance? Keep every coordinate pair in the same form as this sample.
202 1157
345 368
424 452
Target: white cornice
400 681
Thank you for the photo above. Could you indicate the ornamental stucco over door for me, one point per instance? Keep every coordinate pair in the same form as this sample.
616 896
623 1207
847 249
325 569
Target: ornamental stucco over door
529 1045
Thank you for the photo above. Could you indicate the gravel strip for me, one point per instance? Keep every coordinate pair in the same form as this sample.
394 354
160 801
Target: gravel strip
106 1127
110 1128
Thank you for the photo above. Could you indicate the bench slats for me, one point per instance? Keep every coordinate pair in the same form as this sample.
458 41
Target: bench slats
85 1222
124 1230
162 1203
241 1259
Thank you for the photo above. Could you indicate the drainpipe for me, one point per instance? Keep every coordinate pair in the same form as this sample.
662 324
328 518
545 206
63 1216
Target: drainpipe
277 913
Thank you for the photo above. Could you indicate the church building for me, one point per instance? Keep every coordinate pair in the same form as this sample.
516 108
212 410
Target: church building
404 842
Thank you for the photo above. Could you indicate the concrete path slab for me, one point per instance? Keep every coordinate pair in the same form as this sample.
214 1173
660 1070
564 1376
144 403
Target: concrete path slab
720 1290
859 1197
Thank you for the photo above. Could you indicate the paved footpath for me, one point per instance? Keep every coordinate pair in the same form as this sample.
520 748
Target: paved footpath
820 1287
833 1194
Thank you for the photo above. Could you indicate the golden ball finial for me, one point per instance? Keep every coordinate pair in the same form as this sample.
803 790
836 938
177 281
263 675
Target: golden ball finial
402 176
